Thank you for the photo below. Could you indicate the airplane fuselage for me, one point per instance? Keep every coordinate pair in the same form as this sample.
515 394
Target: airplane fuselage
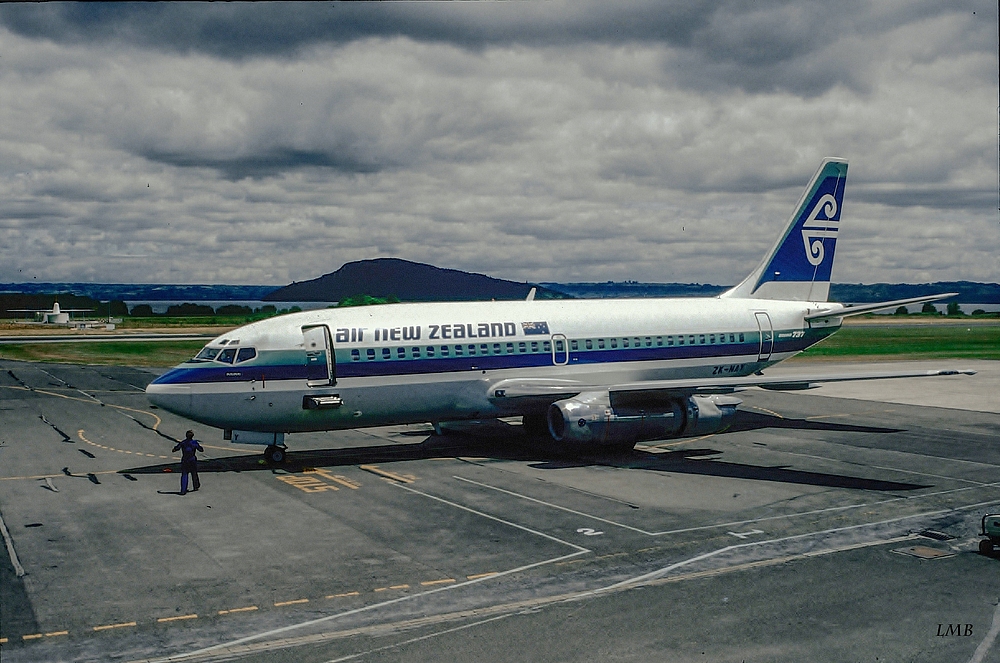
407 363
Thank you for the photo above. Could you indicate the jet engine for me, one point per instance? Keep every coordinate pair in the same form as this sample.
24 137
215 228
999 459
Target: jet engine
598 418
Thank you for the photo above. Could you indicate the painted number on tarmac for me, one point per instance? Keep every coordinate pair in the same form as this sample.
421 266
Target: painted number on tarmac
588 531
310 482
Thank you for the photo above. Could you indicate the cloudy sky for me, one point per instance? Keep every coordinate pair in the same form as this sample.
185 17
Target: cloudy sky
540 141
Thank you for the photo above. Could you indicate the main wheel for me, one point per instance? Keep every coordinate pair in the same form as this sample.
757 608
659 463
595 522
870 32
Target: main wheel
986 547
274 454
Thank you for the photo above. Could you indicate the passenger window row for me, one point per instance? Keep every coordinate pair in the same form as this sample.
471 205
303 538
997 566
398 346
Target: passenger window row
459 350
545 347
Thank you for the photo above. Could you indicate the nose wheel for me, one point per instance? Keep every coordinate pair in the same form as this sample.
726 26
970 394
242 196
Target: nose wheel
274 454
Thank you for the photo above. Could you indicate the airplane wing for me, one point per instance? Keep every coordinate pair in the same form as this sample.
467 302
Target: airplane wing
542 389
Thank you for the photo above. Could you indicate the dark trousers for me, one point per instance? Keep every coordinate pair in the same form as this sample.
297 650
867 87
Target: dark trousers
189 467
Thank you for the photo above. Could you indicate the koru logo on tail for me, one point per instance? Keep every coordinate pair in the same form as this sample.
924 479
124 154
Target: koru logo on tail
814 229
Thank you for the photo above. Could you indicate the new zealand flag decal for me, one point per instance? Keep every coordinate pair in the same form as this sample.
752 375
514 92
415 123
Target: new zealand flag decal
535 328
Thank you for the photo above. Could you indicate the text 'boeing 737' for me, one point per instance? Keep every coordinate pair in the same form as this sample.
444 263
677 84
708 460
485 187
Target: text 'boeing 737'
588 373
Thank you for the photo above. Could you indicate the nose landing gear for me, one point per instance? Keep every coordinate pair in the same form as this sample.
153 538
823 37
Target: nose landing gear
274 454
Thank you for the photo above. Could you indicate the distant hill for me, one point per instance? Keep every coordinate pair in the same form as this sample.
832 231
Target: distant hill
623 289
409 281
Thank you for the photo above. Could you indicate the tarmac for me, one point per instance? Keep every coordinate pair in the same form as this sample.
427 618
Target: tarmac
838 524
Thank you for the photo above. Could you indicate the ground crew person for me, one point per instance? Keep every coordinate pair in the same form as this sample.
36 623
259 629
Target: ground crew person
189 461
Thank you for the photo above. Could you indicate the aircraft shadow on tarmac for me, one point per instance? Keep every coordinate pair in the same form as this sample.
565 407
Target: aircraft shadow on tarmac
501 441
746 421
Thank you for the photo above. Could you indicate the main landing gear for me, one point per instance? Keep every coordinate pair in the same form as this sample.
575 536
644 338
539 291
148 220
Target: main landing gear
274 454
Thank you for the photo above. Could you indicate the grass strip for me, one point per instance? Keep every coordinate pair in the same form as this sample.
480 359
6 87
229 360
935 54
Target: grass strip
916 342
152 354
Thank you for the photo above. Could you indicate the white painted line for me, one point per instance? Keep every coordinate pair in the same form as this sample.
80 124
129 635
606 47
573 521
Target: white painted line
422 637
879 467
987 642
685 529
18 569
554 506
406 597
499 520
836 530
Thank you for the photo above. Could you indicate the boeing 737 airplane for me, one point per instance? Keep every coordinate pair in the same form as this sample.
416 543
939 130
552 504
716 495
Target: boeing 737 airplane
585 372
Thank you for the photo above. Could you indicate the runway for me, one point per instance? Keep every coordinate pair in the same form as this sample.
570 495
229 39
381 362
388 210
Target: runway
823 526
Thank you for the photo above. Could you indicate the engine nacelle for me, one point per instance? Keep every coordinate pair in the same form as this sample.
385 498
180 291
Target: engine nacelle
591 419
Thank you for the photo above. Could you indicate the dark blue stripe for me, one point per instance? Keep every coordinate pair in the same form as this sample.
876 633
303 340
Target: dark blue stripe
347 368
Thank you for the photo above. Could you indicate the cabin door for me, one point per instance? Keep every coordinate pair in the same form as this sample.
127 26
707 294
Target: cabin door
321 371
560 350
766 336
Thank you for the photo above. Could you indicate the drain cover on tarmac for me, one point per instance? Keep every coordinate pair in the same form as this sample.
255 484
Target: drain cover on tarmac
924 552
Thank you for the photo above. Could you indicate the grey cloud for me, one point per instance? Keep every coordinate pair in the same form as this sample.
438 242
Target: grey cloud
267 163
567 160
237 30
942 197
759 46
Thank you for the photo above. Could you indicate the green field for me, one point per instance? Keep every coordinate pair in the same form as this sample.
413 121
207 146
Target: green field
160 354
934 340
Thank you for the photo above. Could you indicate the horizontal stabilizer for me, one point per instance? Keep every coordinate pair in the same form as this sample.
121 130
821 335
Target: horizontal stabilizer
848 311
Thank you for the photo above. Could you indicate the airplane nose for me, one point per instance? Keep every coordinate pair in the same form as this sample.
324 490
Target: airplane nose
170 396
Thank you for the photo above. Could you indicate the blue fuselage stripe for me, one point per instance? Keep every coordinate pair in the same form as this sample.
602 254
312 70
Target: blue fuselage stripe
348 368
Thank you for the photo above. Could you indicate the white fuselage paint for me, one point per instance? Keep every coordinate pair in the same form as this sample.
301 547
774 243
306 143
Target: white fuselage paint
267 392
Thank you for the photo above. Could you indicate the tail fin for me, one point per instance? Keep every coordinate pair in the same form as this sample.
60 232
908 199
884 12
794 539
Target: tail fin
798 266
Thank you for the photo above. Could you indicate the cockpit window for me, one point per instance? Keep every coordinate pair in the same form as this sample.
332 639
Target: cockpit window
227 356
245 354
207 354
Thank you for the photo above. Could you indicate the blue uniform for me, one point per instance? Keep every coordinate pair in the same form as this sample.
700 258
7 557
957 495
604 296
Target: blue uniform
189 462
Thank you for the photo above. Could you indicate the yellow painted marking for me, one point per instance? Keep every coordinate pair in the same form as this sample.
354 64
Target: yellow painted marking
828 416
156 426
249 608
482 575
306 484
380 589
55 633
684 441
70 398
83 438
33 636
54 476
442 581
610 555
281 603
3 641
764 409
400 587
176 619
110 626
402 478
336 478
94 401
337 596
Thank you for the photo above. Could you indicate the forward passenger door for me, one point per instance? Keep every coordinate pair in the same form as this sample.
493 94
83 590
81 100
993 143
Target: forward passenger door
321 369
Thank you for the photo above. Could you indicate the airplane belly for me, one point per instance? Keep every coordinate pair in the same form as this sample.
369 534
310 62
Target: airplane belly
282 406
